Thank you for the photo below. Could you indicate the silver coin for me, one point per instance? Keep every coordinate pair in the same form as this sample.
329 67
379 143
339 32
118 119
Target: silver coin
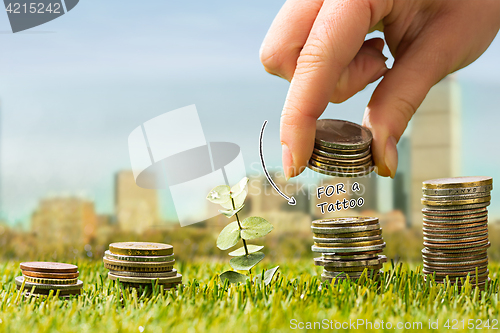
341 134
346 221
457 197
450 247
315 248
346 240
111 255
341 174
347 257
457 191
464 221
124 263
450 213
441 234
173 279
455 240
321 261
457 264
28 285
171 273
341 155
458 207
344 230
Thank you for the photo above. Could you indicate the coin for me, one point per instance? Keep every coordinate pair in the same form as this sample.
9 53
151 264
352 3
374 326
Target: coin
345 221
457 191
341 134
458 207
429 258
173 272
113 267
456 240
482 272
321 261
28 285
457 197
351 234
483 231
342 162
345 240
449 247
448 253
348 245
50 281
51 275
141 249
110 255
456 217
48 267
455 226
340 173
333 269
432 212
457 182
174 279
340 230
455 202
341 168
350 256
465 221
341 154
315 248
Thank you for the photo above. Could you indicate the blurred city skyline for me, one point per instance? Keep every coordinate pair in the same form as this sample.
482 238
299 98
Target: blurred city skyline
73 89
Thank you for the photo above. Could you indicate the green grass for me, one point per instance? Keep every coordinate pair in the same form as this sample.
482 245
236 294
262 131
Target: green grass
202 304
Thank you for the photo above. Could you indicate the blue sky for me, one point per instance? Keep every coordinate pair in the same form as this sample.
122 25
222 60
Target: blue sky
73 89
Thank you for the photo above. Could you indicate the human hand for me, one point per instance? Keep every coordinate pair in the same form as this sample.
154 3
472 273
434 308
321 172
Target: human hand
319 47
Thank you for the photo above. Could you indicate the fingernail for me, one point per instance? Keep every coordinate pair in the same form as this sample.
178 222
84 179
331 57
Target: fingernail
287 160
391 155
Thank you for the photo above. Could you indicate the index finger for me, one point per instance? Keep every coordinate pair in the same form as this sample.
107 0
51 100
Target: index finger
335 38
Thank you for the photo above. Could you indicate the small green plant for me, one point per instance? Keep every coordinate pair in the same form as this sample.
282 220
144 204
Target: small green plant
245 258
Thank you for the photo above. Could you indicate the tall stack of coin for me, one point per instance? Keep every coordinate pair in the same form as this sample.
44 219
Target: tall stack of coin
40 277
349 246
137 264
455 227
341 149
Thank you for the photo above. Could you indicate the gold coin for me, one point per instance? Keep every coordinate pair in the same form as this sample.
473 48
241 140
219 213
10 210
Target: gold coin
49 281
345 221
456 182
128 279
141 249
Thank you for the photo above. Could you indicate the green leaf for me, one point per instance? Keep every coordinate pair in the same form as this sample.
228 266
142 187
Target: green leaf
230 212
269 274
229 236
219 194
238 201
246 262
238 188
241 251
255 227
233 277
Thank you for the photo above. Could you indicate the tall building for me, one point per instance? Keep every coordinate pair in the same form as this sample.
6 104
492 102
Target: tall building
136 208
435 140
64 221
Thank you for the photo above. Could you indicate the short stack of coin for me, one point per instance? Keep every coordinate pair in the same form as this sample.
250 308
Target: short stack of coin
341 149
455 228
349 246
40 277
138 264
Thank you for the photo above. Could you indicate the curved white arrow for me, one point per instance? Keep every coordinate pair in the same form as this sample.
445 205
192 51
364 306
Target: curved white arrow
291 200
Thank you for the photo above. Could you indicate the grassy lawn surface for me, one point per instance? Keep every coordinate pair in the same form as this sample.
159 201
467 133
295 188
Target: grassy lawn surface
295 298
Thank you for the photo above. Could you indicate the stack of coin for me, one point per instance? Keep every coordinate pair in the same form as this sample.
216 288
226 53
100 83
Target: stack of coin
349 246
138 264
40 277
341 149
455 228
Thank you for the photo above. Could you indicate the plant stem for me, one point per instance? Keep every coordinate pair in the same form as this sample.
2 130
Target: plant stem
239 226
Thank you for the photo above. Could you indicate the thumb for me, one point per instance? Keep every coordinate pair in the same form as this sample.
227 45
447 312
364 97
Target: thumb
393 104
